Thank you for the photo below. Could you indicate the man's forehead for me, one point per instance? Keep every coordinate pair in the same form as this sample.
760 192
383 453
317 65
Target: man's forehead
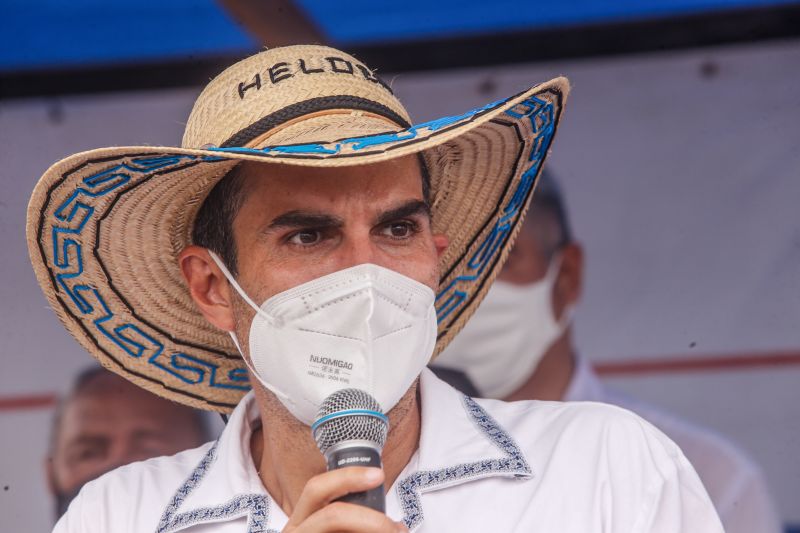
307 188
267 173
108 413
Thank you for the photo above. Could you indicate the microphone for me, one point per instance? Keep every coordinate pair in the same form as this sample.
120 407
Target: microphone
350 430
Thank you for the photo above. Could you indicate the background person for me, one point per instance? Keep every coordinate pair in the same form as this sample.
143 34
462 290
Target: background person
105 422
518 346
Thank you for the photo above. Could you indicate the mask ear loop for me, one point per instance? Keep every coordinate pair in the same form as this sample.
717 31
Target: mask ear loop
252 370
550 277
258 310
245 297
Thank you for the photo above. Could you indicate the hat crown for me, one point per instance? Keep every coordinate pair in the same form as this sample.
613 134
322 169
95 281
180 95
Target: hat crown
254 97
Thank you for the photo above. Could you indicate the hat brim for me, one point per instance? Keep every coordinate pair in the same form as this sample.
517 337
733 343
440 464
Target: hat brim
104 229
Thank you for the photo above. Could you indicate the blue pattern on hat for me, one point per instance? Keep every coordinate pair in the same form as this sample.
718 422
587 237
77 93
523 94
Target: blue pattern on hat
541 115
89 202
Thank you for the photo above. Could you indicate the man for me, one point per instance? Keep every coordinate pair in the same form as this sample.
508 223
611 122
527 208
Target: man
303 228
106 422
524 327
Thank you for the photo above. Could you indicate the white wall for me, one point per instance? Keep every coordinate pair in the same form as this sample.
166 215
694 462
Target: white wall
683 188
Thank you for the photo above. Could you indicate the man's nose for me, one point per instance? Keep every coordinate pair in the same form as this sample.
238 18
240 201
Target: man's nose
117 455
358 249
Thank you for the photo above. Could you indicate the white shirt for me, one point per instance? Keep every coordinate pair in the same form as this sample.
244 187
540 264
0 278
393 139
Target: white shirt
481 465
734 482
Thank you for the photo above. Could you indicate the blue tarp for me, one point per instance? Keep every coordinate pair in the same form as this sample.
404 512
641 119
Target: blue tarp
63 33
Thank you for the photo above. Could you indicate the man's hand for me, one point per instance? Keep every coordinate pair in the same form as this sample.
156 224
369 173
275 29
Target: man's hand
317 512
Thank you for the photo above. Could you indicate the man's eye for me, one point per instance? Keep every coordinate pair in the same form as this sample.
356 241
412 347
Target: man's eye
305 237
84 454
399 230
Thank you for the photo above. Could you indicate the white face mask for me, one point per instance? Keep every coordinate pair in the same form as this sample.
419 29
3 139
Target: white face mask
365 327
506 338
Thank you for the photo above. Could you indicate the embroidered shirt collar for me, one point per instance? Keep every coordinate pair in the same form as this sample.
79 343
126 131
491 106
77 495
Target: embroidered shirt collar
459 442
225 485
456 429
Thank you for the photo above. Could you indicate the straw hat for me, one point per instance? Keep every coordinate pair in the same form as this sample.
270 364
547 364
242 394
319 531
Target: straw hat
105 227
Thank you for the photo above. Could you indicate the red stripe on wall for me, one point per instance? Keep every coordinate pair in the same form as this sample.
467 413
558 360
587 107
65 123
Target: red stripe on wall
32 401
697 364
660 365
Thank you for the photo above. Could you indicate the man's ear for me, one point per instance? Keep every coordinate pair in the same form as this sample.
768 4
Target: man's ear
569 283
208 286
441 242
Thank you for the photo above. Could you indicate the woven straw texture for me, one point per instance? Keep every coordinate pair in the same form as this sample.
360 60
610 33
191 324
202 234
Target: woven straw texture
105 227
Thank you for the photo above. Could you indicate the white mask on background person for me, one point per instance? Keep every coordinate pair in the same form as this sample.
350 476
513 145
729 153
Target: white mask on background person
365 327
504 341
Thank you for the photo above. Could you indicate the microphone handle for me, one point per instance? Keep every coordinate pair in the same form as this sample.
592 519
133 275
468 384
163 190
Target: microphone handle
345 456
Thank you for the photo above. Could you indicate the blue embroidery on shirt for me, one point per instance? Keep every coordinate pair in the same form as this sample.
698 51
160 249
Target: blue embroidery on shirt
254 506
513 462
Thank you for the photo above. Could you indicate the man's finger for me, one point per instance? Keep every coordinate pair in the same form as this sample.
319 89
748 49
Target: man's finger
322 489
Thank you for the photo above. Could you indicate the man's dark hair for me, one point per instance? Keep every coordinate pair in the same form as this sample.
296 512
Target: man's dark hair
213 225
548 216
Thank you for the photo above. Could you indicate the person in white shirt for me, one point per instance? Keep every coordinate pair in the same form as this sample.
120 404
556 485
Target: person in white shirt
518 346
307 237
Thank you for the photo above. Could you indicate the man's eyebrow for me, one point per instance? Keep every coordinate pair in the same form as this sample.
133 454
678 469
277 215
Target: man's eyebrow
86 440
304 219
408 209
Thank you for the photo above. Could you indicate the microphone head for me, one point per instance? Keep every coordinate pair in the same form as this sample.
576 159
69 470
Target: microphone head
349 415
